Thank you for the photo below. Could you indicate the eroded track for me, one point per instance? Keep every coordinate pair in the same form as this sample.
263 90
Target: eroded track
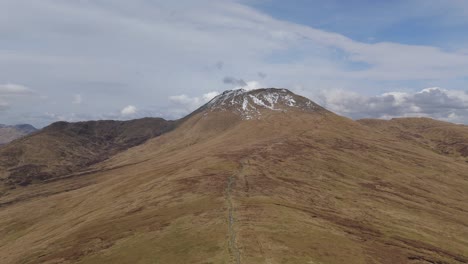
233 248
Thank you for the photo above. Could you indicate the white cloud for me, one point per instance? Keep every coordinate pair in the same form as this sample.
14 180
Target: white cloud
184 104
434 102
77 99
129 110
13 89
213 28
208 96
10 91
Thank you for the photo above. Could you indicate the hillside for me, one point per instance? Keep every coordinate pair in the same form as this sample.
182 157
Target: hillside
442 137
10 133
65 148
261 176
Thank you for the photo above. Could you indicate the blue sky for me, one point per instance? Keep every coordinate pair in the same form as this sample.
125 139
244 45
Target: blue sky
437 23
114 59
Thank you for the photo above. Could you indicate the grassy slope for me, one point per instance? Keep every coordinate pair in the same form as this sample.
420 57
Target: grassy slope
301 188
442 137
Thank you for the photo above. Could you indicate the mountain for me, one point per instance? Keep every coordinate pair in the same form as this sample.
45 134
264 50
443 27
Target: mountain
10 133
62 148
250 105
262 176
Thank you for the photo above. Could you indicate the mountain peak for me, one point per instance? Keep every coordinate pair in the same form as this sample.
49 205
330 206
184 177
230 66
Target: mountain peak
249 104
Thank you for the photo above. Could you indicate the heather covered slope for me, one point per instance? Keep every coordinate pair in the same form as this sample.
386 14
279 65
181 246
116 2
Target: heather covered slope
286 186
63 148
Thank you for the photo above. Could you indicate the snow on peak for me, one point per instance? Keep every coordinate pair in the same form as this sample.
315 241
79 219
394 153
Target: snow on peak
249 103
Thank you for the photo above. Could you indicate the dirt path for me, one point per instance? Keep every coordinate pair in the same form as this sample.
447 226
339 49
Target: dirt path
233 248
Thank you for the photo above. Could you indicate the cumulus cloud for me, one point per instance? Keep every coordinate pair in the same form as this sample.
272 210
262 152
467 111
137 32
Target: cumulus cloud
129 110
183 104
435 102
9 91
13 89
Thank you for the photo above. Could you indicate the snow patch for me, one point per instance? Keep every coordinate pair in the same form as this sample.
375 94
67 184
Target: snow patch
248 104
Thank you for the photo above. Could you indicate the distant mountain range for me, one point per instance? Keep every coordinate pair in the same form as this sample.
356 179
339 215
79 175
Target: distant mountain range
261 176
10 133
63 148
